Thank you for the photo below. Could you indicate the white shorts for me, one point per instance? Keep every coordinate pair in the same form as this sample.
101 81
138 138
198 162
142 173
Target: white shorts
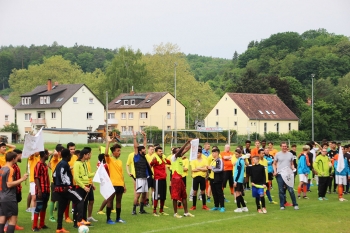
32 188
303 178
341 179
141 185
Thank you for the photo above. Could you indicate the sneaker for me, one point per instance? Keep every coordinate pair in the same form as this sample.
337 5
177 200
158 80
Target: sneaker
208 200
342 199
273 202
180 207
62 230
35 229
325 198
83 222
43 227
305 197
264 210
101 212
238 210
52 219
260 211
155 214
113 211
235 201
245 209
296 207
163 213
226 200
222 209
215 208
133 213
200 197
142 212
28 210
18 228
190 199
205 207
165 207
119 220
68 220
193 208
282 208
288 204
177 216
188 215
91 219
320 199
298 197
110 221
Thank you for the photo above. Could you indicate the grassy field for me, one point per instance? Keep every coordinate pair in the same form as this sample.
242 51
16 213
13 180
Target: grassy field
313 216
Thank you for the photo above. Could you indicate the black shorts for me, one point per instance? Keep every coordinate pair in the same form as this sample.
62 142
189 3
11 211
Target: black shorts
9 208
239 187
248 171
90 196
270 176
160 189
198 181
19 197
118 189
53 193
150 182
184 180
227 177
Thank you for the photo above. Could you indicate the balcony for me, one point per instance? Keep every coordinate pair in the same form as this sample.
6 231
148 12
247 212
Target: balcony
40 121
113 121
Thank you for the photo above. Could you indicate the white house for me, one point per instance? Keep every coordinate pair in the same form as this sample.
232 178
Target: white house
248 113
68 106
7 115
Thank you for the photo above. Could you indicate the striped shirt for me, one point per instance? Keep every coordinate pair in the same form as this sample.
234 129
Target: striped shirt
17 176
41 172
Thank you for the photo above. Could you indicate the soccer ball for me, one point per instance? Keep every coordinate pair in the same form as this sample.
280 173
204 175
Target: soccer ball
83 229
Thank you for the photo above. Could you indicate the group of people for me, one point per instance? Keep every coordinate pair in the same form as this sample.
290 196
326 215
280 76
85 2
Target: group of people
70 179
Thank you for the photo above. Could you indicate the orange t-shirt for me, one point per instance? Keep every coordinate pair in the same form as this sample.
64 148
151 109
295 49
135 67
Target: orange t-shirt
228 166
254 152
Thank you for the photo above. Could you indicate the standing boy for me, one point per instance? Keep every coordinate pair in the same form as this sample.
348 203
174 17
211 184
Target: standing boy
238 179
258 185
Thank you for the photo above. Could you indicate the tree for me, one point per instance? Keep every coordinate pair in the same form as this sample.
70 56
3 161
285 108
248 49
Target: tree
250 82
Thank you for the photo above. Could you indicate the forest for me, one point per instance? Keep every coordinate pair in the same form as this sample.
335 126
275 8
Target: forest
282 64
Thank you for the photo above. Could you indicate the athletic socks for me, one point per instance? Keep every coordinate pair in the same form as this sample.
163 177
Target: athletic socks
134 208
42 218
238 202
155 204
109 210
118 212
141 206
242 201
340 191
203 199
257 202
10 229
161 205
304 189
35 221
231 188
194 201
308 186
268 194
66 212
262 199
299 190
51 207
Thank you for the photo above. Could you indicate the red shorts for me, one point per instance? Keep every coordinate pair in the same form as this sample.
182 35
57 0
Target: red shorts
178 189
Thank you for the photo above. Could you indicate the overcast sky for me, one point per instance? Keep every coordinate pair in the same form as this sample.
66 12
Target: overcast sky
211 28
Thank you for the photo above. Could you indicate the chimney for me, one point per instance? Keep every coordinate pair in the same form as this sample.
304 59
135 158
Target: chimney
132 91
49 85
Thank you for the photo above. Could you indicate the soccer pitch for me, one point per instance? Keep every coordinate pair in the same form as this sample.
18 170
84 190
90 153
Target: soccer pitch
313 216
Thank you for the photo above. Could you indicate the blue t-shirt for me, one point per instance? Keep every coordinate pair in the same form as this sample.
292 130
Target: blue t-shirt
238 175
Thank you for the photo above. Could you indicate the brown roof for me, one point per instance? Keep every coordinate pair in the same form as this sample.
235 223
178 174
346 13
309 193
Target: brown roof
147 99
263 106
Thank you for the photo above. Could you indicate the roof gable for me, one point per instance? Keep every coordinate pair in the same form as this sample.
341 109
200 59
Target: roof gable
262 106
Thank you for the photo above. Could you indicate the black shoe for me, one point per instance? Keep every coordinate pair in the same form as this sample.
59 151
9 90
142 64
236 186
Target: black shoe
75 226
133 212
35 229
44 227
143 212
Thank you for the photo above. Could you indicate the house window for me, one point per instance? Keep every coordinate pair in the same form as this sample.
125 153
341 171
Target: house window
41 100
75 99
168 127
123 128
29 100
235 123
132 102
91 100
53 115
131 115
40 115
265 127
168 115
289 126
267 112
143 115
89 115
111 115
123 115
6 117
217 112
277 127
168 102
47 99
126 102
217 123
260 112
27 116
235 111
130 128
26 100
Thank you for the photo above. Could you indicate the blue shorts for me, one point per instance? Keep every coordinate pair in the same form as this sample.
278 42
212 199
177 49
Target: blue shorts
257 192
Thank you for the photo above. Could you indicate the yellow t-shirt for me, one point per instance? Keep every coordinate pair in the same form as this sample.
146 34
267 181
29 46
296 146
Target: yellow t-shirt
265 164
199 164
210 158
149 160
89 169
32 161
168 158
3 157
53 162
213 164
130 163
185 164
115 170
273 152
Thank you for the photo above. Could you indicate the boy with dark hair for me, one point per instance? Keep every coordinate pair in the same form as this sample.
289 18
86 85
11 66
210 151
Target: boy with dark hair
42 191
258 185
238 180
8 200
4 151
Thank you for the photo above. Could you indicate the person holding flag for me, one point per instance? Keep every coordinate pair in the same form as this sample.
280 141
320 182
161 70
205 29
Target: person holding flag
341 172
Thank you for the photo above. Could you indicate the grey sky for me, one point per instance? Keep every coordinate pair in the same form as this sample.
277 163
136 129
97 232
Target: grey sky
211 28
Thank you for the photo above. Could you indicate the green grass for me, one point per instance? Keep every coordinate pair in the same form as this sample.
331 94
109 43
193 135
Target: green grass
313 216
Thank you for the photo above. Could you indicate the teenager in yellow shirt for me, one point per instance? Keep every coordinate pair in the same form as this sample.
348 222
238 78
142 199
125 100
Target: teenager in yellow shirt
32 161
4 151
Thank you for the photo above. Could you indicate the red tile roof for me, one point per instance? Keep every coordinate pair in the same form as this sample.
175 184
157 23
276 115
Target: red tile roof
263 106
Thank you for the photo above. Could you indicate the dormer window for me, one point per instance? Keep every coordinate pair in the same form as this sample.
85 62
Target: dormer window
26 100
126 102
132 102
45 100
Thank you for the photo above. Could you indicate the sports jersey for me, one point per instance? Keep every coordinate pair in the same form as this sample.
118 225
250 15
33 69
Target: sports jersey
273 152
238 175
41 172
199 163
158 164
3 157
53 163
32 161
130 163
228 166
264 163
185 164
116 170
7 194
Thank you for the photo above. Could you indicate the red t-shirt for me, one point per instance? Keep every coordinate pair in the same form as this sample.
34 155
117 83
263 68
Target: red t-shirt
159 169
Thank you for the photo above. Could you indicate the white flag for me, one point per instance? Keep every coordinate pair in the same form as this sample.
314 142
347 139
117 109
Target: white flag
341 164
106 187
288 176
33 144
194 149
